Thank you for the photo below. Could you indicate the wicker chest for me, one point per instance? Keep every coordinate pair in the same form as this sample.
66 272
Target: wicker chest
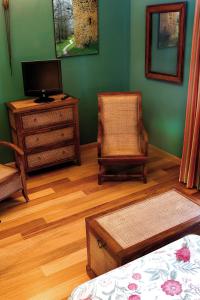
48 133
121 235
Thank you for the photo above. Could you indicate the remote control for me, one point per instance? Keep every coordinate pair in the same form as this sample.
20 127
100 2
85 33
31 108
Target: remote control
65 96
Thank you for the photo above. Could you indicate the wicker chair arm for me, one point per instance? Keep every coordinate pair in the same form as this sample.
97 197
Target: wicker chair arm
99 146
12 147
99 138
145 140
19 164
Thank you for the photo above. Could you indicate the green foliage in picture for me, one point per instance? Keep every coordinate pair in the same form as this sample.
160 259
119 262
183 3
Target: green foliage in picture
76 27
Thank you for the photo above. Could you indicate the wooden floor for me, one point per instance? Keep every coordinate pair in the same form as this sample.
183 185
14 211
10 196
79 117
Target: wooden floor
42 243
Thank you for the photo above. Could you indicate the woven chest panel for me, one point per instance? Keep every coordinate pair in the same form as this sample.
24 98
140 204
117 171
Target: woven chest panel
47 118
47 138
51 156
160 213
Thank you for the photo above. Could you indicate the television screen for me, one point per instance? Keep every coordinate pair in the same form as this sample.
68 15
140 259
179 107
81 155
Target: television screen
42 78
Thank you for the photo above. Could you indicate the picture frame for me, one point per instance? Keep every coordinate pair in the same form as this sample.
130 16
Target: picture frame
75 27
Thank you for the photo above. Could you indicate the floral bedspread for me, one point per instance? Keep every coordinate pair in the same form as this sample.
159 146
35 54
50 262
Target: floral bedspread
172 272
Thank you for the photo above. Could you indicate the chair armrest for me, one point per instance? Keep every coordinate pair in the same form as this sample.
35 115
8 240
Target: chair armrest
12 147
99 138
19 161
144 140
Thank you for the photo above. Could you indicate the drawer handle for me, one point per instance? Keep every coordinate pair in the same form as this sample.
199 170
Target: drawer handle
39 158
37 139
64 152
101 244
62 134
35 120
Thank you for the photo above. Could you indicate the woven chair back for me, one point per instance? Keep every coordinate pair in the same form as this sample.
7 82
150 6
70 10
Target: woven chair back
120 117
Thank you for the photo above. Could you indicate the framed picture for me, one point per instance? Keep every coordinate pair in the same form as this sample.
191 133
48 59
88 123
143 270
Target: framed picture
76 27
168 29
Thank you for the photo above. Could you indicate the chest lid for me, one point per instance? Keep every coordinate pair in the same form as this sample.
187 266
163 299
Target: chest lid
136 223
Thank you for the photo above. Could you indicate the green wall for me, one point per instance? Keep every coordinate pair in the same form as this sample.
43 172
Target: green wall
84 76
163 103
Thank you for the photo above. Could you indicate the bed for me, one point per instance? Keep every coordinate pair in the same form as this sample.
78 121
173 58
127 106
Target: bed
172 272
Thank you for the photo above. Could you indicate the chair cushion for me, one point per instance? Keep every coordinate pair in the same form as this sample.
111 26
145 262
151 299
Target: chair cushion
120 115
6 171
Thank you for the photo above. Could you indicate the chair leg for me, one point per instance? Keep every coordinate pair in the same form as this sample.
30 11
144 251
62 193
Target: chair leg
24 186
99 180
100 175
25 194
144 173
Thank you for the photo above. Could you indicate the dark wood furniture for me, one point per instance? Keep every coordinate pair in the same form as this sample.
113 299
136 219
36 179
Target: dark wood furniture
122 139
13 179
151 10
121 235
48 133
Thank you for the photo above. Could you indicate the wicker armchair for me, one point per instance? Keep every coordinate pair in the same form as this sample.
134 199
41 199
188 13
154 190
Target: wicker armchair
13 179
122 139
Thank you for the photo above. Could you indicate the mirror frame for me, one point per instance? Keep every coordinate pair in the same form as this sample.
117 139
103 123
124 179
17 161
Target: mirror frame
163 8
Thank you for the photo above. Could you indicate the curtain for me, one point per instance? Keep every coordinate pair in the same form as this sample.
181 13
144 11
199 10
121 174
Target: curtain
190 163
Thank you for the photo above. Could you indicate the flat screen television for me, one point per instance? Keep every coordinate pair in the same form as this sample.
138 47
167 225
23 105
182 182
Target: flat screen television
42 79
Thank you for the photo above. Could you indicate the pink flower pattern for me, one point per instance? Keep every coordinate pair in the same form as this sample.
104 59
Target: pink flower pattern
183 254
132 286
137 276
134 297
171 287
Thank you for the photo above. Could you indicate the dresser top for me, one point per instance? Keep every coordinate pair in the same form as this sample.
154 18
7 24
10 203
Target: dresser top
29 104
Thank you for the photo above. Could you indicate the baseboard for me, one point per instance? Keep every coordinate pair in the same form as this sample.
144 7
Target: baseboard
10 164
165 153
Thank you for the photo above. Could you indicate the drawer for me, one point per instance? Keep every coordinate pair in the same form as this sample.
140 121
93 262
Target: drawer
42 119
48 138
50 156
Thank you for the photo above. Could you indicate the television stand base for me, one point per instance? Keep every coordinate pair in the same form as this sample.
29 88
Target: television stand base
44 100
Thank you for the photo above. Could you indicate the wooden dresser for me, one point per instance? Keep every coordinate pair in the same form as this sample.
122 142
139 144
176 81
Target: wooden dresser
48 133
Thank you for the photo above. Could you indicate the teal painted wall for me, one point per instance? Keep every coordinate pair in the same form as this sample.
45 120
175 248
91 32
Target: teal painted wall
84 76
163 103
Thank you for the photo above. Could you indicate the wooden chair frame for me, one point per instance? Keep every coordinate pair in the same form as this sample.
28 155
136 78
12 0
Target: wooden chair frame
122 160
20 166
